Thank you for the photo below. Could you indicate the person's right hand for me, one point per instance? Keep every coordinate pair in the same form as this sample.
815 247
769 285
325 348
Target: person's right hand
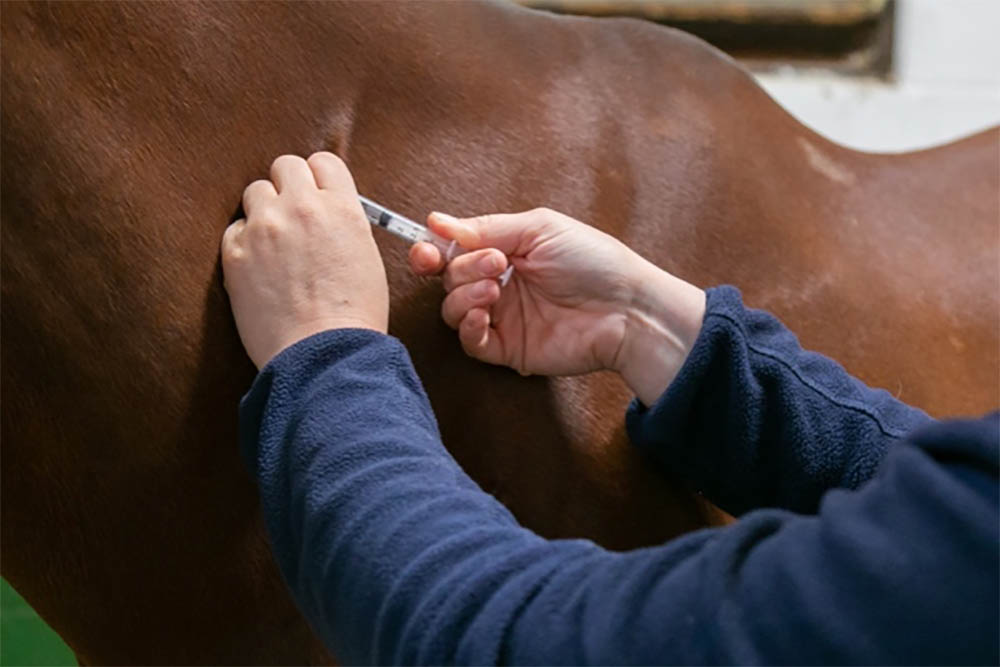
579 300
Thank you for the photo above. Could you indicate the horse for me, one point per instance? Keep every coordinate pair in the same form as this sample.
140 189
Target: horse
129 131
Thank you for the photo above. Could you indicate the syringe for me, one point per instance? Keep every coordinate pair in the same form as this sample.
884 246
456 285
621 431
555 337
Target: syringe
414 232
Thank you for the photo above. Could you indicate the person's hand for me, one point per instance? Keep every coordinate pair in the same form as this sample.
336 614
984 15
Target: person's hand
303 260
578 301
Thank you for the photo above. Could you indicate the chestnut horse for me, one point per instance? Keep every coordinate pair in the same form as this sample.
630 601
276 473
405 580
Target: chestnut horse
129 132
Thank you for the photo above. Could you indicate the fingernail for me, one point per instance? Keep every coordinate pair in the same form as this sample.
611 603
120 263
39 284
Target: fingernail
489 264
480 290
444 217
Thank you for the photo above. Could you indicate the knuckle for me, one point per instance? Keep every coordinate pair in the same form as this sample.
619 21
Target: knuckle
229 235
266 212
285 160
489 261
306 211
458 269
232 254
257 185
326 158
349 210
269 228
550 218
265 223
484 220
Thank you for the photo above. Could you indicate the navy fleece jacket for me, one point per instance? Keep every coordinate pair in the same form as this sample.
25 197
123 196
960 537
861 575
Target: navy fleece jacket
869 533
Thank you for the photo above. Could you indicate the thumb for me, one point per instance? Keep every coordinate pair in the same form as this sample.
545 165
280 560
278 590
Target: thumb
510 233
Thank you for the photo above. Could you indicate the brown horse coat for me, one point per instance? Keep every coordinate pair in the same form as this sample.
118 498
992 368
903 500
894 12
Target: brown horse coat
129 132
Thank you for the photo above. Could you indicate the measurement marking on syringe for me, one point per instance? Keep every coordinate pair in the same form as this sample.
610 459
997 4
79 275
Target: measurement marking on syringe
414 232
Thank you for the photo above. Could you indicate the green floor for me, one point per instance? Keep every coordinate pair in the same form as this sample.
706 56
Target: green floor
24 638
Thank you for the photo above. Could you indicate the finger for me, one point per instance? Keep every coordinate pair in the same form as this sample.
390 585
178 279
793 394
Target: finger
474 266
425 259
257 193
465 298
290 172
231 249
508 232
331 173
478 340
232 232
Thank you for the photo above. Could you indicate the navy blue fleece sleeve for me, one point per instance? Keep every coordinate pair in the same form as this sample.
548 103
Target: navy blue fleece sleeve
753 420
395 556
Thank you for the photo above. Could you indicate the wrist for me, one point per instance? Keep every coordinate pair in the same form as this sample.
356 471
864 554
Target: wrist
662 323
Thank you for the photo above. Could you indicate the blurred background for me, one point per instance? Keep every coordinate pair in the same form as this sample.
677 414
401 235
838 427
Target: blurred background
24 638
877 75
872 74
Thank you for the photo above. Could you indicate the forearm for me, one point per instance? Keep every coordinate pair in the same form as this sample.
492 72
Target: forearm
395 556
754 420
389 548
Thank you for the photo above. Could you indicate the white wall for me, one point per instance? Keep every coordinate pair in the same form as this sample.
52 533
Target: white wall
946 82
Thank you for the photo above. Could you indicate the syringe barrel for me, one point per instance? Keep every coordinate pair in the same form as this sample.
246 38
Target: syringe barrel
405 228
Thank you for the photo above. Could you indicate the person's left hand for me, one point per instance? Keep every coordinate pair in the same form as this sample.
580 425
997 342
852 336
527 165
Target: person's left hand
303 260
